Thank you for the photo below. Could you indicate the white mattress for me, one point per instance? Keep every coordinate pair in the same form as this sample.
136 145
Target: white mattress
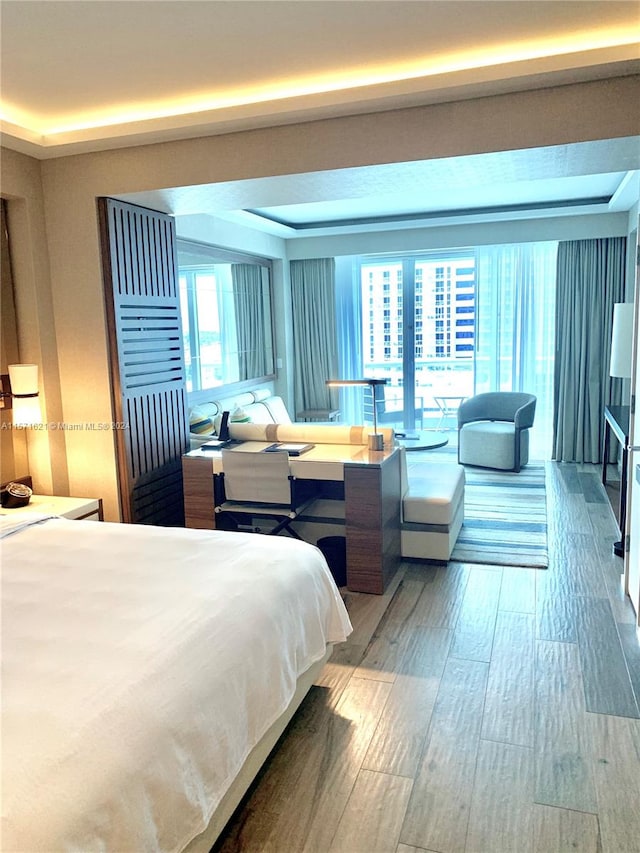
140 666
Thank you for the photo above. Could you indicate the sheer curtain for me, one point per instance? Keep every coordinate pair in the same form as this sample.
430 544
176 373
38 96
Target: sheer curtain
349 331
314 332
515 318
225 302
591 276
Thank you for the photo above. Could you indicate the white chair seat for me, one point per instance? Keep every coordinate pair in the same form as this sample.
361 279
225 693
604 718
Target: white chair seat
490 444
434 499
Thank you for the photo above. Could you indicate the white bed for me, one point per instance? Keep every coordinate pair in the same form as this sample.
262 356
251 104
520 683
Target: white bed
146 673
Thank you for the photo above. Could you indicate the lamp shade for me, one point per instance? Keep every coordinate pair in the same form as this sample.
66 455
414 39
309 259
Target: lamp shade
24 390
621 338
24 379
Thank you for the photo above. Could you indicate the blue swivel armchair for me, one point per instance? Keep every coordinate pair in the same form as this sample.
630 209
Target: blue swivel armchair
493 430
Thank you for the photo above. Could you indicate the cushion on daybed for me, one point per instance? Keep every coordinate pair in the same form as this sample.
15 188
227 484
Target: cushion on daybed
308 433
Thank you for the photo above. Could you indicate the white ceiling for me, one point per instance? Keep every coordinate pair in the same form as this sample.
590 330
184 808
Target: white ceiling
83 75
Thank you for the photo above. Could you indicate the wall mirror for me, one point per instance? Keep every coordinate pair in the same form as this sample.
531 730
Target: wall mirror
227 319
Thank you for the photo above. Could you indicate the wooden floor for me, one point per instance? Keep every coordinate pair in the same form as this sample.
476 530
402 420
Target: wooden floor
479 709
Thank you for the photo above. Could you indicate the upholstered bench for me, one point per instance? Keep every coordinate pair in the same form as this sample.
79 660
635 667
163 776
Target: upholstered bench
432 509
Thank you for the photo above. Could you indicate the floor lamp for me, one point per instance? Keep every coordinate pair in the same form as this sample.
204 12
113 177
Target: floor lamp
376 441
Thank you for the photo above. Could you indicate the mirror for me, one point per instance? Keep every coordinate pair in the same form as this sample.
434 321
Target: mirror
227 325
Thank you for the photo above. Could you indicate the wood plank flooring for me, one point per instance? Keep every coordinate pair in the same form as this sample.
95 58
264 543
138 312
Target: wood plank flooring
475 709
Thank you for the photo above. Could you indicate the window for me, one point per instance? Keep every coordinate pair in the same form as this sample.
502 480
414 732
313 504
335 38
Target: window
468 320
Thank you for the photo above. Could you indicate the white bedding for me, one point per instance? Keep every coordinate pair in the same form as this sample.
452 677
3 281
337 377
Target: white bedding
140 666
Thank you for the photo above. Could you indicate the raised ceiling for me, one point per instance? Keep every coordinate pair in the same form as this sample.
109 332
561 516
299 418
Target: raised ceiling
91 75
86 74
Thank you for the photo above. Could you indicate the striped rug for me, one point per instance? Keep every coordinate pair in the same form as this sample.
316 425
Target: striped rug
505 518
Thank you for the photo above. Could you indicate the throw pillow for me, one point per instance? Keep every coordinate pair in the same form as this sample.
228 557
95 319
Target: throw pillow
200 423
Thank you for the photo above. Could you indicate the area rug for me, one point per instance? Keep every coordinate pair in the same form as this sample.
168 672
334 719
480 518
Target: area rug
505 518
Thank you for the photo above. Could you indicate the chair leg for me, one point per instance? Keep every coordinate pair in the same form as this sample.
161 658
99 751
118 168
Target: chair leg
285 524
516 452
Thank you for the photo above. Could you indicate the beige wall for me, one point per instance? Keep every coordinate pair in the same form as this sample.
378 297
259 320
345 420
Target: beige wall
73 310
36 335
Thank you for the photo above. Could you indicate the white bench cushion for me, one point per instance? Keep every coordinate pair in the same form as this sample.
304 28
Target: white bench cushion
434 498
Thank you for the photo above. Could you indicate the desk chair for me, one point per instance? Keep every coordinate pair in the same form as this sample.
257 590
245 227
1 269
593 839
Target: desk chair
260 485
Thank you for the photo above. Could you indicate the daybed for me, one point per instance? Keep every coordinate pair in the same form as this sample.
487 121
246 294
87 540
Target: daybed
259 406
144 669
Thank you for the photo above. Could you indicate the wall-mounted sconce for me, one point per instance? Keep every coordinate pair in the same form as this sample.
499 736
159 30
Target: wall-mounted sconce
376 441
19 391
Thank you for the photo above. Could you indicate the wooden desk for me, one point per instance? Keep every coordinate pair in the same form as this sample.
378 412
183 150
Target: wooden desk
371 494
616 421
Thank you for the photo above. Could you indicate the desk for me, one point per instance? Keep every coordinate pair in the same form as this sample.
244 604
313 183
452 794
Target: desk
371 481
616 420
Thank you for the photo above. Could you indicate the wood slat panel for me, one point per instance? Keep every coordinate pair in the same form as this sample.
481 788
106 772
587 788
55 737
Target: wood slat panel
147 361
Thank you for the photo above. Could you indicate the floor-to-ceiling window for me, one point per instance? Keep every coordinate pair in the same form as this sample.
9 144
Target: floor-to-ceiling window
441 326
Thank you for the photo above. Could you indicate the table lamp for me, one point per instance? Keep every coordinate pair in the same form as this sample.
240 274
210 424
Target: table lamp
376 441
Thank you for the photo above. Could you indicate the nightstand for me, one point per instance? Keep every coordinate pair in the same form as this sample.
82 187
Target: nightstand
78 509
